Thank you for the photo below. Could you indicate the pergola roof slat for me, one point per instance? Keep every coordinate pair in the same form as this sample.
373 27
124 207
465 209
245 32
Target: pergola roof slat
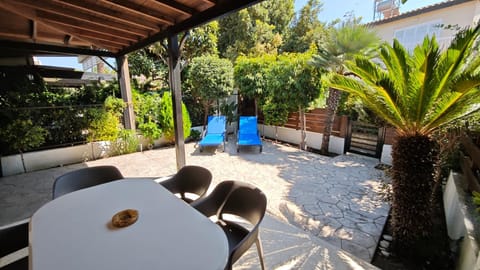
111 15
66 13
102 27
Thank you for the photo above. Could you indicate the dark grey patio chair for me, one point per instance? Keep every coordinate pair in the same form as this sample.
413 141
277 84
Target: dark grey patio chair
190 183
84 178
13 238
241 200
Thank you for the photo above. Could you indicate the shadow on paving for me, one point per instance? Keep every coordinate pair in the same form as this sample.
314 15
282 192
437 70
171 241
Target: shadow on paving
287 247
335 199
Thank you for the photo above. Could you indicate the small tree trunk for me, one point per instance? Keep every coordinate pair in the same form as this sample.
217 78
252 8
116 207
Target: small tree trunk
205 117
303 134
23 162
332 104
276 134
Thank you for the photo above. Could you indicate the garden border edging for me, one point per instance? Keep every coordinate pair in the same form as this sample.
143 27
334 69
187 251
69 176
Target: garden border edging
461 223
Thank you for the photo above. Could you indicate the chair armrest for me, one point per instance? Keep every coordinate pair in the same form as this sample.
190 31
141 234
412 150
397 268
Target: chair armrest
206 206
158 180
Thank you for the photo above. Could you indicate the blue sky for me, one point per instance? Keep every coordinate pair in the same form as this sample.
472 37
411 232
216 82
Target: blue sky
332 9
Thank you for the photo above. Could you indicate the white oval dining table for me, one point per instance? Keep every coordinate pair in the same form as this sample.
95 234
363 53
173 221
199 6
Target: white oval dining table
74 231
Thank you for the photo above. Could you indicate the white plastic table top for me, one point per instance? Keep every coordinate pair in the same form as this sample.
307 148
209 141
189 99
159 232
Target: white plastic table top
74 231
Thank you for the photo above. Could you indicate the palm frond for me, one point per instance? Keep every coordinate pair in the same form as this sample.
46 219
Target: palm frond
452 107
396 60
454 59
465 82
374 97
419 92
425 60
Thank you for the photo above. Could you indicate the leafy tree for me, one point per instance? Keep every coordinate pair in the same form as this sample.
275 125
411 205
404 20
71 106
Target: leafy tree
332 56
294 82
211 78
152 62
166 118
306 30
142 62
255 30
251 77
200 41
416 93
275 113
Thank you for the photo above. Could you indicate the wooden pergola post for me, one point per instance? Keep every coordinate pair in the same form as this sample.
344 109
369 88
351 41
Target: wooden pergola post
175 86
126 91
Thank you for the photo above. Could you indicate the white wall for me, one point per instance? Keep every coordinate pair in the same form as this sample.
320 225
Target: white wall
463 15
54 157
313 139
460 220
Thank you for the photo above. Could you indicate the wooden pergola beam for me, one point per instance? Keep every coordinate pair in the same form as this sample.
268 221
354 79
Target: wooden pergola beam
109 14
52 49
63 13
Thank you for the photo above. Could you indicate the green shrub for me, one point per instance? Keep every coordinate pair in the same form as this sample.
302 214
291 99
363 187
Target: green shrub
150 131
166 118
230 111
114 105
103 127
195 135
23 135
127 142
146 107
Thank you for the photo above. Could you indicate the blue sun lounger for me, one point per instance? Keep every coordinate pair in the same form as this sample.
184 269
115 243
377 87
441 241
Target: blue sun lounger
215 132
248 134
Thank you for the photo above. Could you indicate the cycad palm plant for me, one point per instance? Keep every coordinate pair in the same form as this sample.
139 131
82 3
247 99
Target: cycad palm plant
417 93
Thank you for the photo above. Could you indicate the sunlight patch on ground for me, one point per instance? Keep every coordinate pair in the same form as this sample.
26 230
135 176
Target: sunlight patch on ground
347 259
289 265
345 164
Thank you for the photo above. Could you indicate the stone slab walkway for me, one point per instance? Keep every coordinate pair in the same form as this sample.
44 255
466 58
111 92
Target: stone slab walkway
335 199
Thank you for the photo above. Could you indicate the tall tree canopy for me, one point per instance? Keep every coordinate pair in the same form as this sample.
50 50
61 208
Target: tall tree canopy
152 61
306 29
256 30
211 78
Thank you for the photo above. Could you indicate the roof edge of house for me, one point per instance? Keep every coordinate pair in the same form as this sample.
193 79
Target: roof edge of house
418 11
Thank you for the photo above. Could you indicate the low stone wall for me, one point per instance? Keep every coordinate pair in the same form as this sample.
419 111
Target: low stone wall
461 222
314 140
51 158
44 159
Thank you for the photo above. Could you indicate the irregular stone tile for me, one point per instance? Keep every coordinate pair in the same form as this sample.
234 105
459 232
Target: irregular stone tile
356 249
356 236
347 223
313 209
367 227
331 210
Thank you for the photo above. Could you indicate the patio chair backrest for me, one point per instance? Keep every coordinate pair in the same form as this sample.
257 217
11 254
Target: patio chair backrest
83 178
248 125
189 180
216 124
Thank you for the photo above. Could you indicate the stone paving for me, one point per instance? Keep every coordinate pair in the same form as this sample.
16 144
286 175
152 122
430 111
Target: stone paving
337 199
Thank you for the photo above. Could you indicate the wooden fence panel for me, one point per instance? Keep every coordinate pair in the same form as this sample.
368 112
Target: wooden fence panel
315 122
